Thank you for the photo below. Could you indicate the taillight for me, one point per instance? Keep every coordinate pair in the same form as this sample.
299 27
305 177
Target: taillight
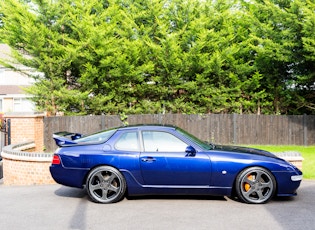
56 160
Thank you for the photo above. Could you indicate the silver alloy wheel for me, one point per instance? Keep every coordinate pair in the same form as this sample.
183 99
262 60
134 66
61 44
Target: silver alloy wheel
255 185
106 185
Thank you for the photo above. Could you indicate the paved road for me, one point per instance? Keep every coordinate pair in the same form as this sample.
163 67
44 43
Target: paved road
58 207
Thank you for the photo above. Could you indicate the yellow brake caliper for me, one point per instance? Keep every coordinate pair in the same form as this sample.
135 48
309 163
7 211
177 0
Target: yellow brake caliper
247 185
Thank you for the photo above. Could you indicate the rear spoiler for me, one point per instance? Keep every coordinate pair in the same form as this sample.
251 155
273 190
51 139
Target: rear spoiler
66 138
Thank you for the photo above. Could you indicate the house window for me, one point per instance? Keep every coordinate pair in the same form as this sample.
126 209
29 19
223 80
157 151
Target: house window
22 105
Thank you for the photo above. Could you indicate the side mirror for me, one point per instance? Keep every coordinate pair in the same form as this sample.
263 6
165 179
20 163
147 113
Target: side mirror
190 151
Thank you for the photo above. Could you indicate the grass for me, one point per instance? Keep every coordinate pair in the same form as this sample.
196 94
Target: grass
307 152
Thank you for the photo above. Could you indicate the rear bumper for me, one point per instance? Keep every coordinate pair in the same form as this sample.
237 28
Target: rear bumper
68 177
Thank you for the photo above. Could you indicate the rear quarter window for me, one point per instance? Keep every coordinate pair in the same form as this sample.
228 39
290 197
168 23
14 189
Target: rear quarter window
128 142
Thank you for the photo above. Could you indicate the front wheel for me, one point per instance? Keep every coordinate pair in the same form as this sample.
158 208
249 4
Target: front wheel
255 185
106 185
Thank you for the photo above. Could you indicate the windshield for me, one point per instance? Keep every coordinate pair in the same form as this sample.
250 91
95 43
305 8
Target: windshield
194 139
99 137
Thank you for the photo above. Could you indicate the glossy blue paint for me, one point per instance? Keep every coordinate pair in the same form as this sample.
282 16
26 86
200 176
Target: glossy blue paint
164 166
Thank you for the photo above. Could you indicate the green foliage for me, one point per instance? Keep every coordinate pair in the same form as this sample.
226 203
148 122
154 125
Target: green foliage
180 56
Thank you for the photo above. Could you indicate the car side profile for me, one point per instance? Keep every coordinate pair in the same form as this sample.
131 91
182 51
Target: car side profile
166 160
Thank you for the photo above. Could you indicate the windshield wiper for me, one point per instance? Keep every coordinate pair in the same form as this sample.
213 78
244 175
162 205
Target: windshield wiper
211 144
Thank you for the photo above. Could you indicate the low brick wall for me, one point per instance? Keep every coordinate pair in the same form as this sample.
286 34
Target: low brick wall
27 127
25 168
293 157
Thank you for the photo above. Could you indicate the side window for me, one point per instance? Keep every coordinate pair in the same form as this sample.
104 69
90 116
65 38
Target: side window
155 141
128 142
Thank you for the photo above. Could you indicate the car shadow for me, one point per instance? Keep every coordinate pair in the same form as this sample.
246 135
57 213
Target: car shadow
71 192
283 198
176 197
296 212
274 199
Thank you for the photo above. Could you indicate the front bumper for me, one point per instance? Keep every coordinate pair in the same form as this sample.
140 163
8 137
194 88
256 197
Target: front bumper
288 182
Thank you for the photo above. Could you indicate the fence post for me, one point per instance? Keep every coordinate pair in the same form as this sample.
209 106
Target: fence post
103 122
305 129
234 128
9 131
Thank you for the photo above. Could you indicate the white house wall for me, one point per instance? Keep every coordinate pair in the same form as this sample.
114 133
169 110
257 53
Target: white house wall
12 97
9 77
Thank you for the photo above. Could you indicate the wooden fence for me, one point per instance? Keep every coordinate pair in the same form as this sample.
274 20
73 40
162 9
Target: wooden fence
217 128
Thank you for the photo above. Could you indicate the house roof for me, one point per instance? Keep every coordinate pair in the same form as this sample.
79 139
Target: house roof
11 79
5 53
6 56
11 89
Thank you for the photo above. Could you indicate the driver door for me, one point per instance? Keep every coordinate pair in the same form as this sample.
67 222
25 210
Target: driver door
165 162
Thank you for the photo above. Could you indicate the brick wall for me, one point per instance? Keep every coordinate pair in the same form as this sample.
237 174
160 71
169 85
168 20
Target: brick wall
293 157
17 172
26 127
28 166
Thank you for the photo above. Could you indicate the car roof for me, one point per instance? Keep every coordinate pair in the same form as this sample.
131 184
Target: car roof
148 126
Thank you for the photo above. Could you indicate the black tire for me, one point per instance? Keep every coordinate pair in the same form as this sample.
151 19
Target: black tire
106 185
255 185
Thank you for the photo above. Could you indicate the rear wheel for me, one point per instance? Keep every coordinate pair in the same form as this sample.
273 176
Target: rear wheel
106 185
255 185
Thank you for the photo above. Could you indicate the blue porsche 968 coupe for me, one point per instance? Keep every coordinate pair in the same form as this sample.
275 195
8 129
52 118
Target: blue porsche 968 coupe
166 160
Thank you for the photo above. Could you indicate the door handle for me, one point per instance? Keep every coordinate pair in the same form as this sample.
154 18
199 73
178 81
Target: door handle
148 159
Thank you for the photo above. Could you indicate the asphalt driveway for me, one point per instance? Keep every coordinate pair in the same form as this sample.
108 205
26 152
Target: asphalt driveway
59 207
